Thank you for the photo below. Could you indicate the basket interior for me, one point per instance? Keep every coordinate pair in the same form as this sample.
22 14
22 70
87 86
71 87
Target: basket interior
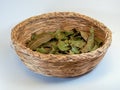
38 25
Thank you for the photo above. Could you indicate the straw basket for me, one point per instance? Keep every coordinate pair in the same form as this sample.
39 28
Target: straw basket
59 65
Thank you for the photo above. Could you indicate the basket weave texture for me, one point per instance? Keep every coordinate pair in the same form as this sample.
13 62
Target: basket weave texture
59 65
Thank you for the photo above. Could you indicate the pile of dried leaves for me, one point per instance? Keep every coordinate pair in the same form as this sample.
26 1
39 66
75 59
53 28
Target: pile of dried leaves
64 42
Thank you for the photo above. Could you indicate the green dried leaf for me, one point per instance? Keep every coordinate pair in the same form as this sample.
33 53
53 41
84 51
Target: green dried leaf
42 38
84 35
70 32
90 43
95 47
75 50
77 43
99 41
50 44
54 47
63 46
59 35
71 52
42 50
77 38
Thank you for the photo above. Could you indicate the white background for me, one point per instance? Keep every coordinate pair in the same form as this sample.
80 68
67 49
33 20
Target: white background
15 76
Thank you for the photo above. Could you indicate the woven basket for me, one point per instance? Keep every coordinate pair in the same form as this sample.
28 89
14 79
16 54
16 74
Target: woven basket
59 65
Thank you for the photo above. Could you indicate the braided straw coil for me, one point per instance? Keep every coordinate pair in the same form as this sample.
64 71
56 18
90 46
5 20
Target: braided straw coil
59 65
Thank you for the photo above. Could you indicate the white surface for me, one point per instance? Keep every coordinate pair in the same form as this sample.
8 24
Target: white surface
15 76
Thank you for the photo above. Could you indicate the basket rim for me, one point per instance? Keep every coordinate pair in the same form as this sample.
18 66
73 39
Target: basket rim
93 54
